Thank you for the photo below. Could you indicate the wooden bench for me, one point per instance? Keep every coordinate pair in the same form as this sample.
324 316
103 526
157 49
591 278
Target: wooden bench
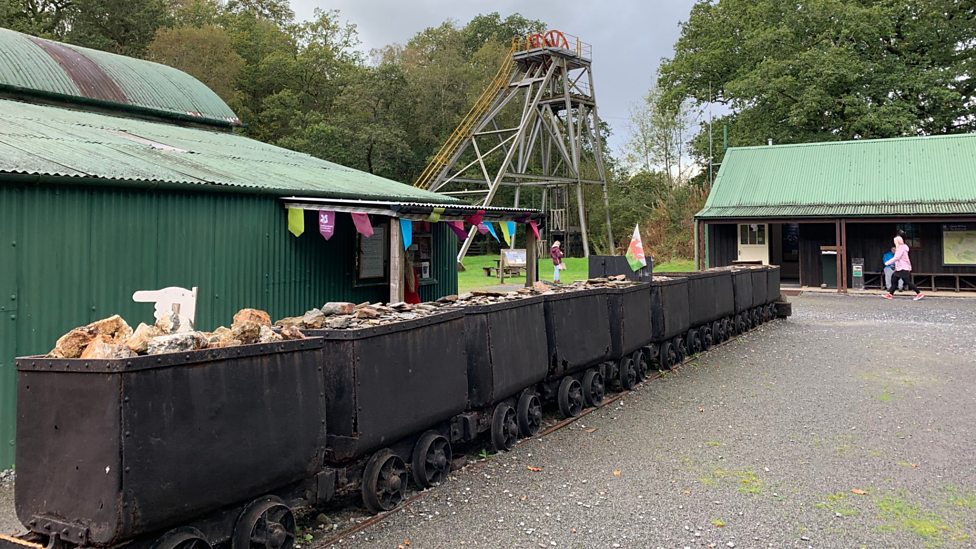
509 271
952 282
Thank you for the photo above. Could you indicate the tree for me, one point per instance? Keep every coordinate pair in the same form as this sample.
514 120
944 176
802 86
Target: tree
820 70
206 53
120 26
659 137
44 18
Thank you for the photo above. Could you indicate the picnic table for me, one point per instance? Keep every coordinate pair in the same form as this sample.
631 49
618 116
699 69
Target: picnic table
511 263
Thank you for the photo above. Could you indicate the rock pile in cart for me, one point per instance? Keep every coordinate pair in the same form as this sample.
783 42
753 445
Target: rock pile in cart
352 316
112 337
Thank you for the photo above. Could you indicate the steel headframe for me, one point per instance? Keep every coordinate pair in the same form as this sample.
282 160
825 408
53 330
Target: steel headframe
557 134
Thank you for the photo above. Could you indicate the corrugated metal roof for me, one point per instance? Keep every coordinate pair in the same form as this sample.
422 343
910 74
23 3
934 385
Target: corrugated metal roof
881 177
51 141
31 66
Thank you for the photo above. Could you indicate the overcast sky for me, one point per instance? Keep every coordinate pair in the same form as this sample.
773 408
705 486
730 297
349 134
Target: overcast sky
629 37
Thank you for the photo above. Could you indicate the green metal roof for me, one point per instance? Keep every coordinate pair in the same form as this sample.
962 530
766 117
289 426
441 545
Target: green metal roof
868 178
38 68
37 140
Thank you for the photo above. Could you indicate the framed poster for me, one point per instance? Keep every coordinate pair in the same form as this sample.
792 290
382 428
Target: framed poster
959 245
371 255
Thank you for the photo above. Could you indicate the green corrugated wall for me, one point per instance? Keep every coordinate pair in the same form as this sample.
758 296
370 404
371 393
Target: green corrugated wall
71 255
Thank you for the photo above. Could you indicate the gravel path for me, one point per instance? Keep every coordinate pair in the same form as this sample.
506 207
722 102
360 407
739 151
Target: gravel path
852 423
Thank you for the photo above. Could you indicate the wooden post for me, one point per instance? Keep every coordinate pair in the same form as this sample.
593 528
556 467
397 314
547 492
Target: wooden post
843 251
702 235
396 261
838 256
531 258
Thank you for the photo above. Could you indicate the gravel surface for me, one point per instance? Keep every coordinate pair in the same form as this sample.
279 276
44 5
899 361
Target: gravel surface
852 423
8 519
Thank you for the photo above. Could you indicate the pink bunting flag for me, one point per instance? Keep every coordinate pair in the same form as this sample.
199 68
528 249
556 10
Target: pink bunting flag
326 223
476 218
482 228
363 226
535 229
458 228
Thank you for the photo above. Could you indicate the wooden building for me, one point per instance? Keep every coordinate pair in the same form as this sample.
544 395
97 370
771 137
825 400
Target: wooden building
819 209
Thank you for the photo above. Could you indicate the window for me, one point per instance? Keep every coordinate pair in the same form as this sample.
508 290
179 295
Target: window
419 253
754 234
910 232
373 255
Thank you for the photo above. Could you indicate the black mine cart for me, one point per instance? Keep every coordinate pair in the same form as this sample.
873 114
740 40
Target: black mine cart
578 337
393 392
630 331
742 289
132 447
670 318
712 301
577 330
507 356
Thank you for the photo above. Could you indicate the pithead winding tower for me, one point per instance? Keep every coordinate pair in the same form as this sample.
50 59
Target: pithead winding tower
535 125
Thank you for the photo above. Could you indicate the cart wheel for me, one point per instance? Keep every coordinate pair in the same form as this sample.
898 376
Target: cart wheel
706 337
628 373
504 428
680 350
693 342
593 388
184 537
431 459
740 324
757 317
265 523
666 356
570 397
384 481
716 332
529 413
728 328
640 362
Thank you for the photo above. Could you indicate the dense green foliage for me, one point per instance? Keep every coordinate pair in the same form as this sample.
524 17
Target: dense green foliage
822 70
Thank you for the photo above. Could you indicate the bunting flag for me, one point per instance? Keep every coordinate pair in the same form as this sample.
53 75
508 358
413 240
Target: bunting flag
635 252
363 226
511 230
458 228
535 229
435 215
406 231
326 223
491 230
505 233
476 218
296 221
482 228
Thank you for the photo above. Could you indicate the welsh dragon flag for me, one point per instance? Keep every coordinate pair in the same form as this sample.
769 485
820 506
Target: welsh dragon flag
635 252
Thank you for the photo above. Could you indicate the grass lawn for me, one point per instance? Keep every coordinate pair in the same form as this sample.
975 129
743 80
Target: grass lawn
473 277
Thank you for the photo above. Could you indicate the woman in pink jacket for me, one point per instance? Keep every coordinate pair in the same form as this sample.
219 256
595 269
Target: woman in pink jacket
903 270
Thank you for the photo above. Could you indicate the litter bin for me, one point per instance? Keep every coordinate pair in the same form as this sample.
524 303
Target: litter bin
857 273
828 263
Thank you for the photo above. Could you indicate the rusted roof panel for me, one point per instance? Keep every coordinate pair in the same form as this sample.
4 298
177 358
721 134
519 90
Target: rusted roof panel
34 67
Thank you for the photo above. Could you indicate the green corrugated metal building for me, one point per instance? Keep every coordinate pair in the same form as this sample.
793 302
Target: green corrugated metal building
815 209
118 175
